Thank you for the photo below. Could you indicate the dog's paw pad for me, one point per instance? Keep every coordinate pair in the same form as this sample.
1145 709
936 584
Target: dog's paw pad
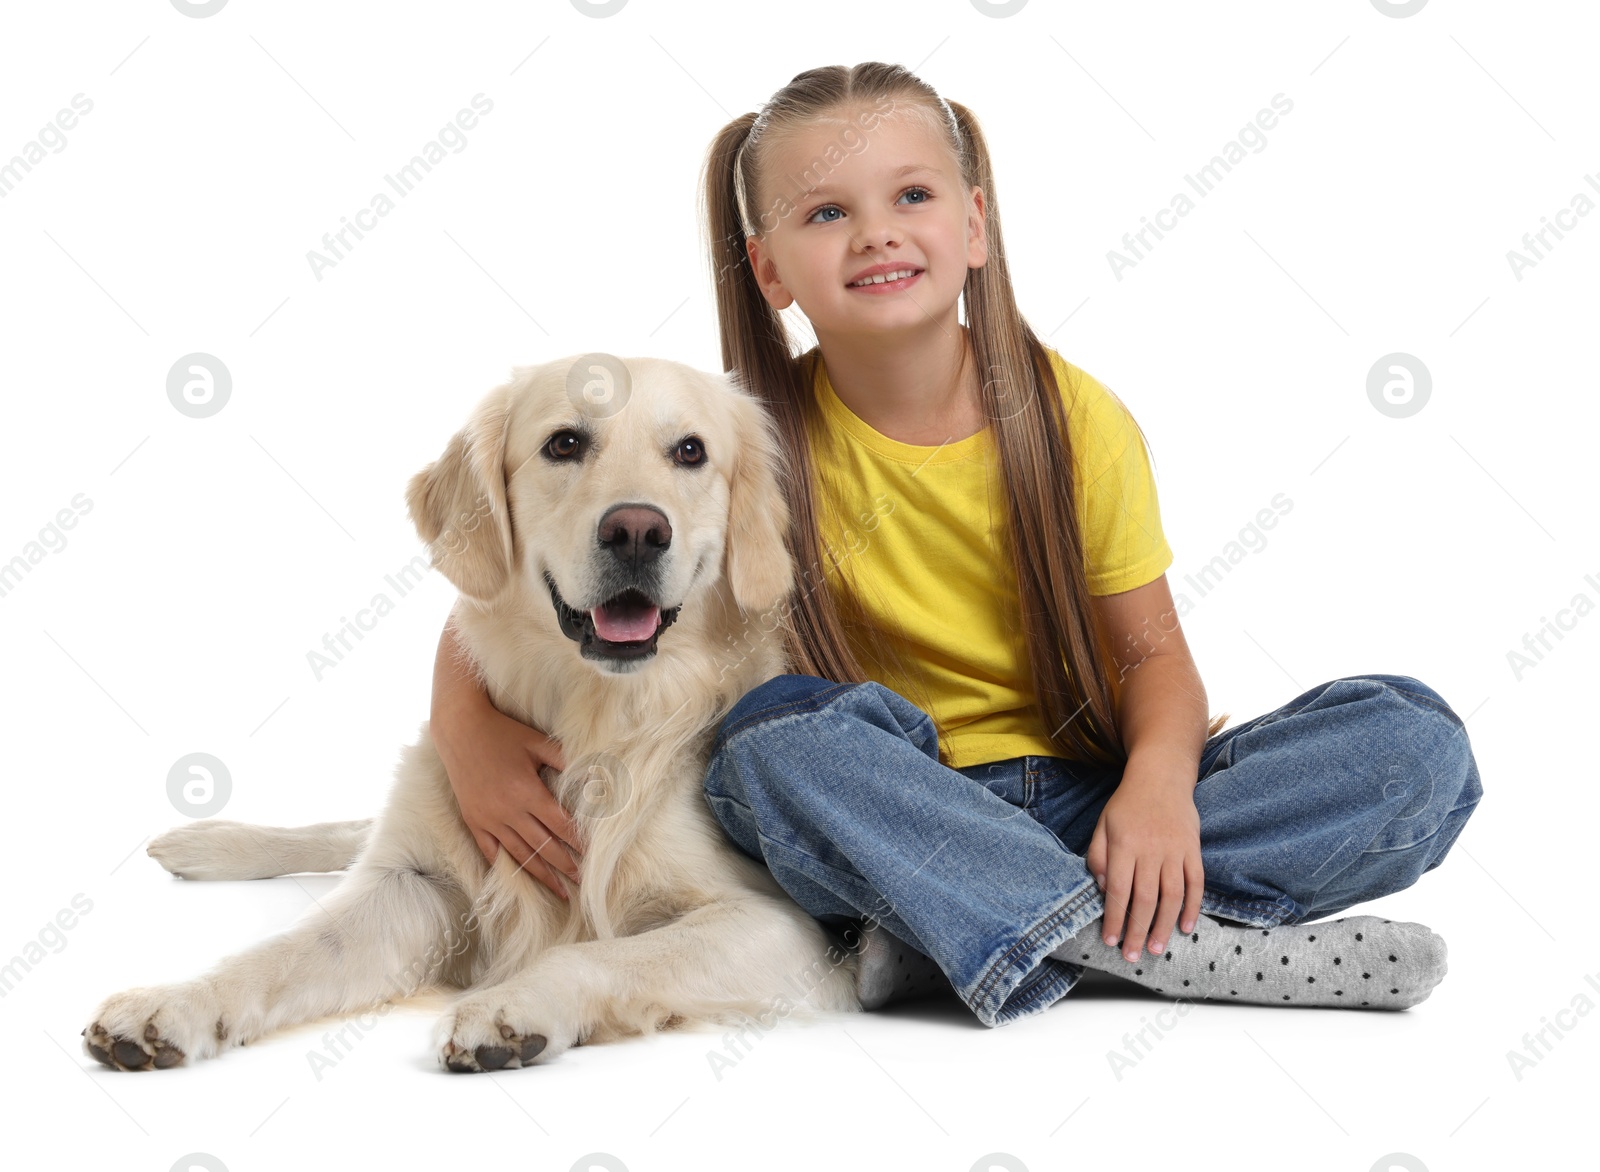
492 1057
515 1054
122 1053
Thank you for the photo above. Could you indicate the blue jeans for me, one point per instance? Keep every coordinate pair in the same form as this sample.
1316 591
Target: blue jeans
1347 793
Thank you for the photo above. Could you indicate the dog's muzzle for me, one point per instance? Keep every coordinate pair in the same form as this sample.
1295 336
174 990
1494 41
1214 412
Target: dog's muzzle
632 620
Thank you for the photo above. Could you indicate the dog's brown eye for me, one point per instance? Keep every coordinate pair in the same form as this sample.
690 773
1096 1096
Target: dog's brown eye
564 444
691 452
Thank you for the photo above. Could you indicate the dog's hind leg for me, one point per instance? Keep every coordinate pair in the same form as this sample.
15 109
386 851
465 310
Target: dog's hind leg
384 932
219 849
748 957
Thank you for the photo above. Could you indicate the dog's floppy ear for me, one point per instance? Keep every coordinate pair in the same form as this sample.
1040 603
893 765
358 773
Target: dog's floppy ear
458 502
757 562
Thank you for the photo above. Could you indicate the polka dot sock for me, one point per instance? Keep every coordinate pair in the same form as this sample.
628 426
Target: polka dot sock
888 969
1359 962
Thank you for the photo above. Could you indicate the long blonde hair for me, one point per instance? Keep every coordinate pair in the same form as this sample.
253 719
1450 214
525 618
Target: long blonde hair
1072 670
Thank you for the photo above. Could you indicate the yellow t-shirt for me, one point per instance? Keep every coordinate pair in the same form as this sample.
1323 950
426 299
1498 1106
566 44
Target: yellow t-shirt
920 536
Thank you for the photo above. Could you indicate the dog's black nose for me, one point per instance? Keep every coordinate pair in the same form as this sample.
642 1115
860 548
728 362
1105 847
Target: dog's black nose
636 534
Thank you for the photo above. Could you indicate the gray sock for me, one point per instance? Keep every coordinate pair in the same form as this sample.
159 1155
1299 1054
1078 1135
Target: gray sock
1353 963
888 969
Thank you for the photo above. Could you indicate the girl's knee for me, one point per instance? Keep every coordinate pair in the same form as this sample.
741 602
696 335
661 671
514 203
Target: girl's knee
865 707
781 693
1418 693
1438 726
1407 712
1432 792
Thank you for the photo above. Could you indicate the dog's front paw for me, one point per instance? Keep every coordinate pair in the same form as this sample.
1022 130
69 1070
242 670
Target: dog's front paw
199 850
153 1029
501 1033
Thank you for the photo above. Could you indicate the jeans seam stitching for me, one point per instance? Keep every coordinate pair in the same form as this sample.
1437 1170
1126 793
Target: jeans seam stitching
1004 962
848 873
764 838
1038 993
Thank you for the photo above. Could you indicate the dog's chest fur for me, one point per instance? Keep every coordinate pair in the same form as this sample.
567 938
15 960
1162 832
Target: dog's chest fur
635 749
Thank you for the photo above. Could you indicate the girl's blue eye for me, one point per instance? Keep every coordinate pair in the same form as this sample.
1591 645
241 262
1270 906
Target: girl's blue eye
828 207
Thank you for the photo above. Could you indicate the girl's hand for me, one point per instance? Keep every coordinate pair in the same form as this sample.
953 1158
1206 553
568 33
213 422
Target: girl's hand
1145 855
493 762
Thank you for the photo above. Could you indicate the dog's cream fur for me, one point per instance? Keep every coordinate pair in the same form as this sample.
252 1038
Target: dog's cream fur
671 922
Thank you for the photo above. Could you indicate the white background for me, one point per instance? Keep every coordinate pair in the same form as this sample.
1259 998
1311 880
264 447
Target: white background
218 552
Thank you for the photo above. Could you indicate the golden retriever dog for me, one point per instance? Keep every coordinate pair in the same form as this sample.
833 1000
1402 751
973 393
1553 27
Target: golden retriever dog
622 572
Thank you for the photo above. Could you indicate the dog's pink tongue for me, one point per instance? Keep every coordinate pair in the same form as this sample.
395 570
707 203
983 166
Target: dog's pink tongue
626 622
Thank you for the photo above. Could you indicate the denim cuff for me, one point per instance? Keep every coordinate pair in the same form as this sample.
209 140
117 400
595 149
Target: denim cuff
1024 979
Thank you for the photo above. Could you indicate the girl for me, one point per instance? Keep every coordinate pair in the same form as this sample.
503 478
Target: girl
993 755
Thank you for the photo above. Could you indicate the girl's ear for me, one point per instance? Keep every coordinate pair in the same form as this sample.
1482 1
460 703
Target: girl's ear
767 279
756 560
458 503
977 231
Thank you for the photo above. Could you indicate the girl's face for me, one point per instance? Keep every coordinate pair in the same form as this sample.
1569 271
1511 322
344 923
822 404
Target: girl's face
895 202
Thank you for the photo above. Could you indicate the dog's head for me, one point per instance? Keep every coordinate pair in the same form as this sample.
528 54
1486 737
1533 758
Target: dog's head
622 490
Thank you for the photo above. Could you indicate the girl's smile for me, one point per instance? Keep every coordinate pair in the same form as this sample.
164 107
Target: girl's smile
885 278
